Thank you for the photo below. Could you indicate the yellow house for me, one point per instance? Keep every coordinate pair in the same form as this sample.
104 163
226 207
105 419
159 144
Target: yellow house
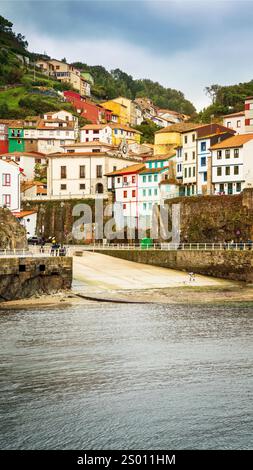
170 136
118 109
120 133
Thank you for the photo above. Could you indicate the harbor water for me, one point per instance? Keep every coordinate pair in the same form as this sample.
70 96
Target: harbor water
115 376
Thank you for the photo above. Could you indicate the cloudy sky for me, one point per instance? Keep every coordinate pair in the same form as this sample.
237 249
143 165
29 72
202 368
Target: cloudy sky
183 44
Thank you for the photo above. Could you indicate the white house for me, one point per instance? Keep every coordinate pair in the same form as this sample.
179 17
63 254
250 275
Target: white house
232 168
92 146
95 133
10 185
26 161
82 174
54 133
235 121
249 114
124 183
29 221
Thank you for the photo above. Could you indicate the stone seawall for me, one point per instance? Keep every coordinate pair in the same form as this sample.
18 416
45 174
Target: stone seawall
226 264
24 277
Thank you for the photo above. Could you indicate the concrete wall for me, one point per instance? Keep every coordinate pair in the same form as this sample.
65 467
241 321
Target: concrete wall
235 265
24 277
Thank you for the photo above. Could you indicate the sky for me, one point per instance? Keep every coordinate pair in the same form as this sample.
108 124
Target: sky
182 44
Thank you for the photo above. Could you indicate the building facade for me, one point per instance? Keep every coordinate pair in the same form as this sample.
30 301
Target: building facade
232 168
10 185
95 133
249 114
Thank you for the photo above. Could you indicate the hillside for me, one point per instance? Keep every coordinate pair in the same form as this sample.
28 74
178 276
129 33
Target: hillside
22 90
225 99
109 85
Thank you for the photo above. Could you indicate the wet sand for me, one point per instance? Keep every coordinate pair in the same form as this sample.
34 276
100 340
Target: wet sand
99 278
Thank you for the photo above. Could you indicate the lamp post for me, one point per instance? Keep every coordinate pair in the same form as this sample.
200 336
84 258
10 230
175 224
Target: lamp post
42 227
62 204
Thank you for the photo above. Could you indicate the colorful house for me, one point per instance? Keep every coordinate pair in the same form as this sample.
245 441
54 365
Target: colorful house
16 137
122 133
249 114
119 110
170 137
4 143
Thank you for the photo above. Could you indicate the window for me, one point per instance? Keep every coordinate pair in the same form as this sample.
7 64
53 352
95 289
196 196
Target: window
149 178
203 146
150 192
96 131
238 124
205 176
144 192
6 179
87 139
82 171
118 180
144 179
227 153
190 172
19 141
203 161
155 177
63 172
236 170
219 170
124 206
95 150
144 206
236 153
99 171
82 186
222 188
193 137
238 187
150 165
185 139
133 179
155 191
62 142
185 172
185 156
150 205
6 199
219 154
194 171
63 187
193 155
193 189
125 179
229 124
125 194
114 168
133 193
227 172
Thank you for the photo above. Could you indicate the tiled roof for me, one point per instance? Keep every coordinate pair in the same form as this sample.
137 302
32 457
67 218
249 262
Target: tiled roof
154 170
23 154
94 127
170 181
22 214
165 156
91 144
129 169
240 113
124 127
235 141
180 127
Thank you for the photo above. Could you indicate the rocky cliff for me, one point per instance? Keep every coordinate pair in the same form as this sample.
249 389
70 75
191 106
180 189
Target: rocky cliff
12 234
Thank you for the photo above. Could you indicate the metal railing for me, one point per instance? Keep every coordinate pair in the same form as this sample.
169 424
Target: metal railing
247 246
33 251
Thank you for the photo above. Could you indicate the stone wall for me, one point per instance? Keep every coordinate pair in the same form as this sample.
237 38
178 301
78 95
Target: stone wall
55 217
12 234
216 218
25 277
227 264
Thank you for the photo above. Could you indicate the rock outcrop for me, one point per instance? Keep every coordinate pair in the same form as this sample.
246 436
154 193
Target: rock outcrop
12 234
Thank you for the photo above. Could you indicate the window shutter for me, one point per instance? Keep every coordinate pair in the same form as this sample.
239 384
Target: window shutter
247 122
